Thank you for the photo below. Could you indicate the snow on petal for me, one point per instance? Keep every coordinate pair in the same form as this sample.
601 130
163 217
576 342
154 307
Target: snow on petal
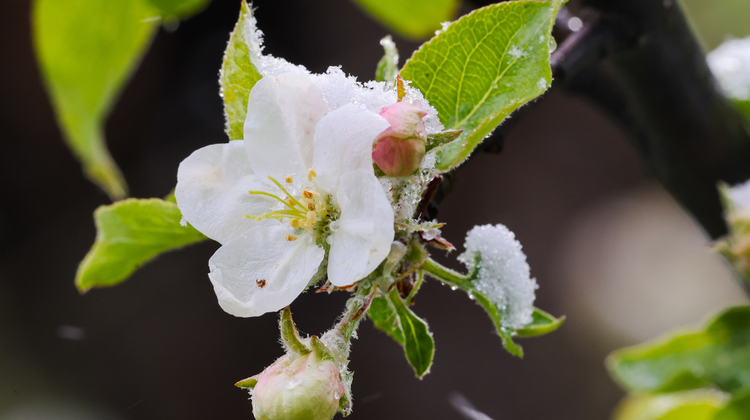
261 271
343 143
363 234
212 191
504 275
282 114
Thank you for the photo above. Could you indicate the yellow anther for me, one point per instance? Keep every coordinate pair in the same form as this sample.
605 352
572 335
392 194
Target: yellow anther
311 174
291 238
294 223
311 206
310 195
288 180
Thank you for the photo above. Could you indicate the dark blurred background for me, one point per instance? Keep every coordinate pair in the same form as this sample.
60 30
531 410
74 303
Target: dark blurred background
609 248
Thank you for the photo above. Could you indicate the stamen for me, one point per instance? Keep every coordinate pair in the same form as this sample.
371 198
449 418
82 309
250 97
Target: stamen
294 223
278 184
291 238
288 180
310 195
311 206
253 192
311 174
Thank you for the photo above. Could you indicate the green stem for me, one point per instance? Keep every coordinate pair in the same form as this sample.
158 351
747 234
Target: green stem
446 275
417 285
356 308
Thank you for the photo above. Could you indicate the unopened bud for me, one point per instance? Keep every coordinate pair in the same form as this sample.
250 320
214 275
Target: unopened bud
398 151
307 388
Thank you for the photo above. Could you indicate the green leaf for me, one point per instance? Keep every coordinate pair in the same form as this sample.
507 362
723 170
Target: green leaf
129 234
692 405
387 69
412 18
718 355
542 323
384 317
737 409
87 49
179 8
743 106
397 320
239 71
483 67
506 335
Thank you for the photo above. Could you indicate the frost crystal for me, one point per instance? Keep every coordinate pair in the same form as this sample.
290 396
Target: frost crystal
504 275
740 195
516 52
730 63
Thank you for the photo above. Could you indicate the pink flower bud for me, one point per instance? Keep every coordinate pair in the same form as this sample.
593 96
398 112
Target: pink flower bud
399 149
307 388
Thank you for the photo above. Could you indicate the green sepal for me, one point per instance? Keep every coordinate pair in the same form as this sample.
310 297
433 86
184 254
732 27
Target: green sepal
320 349
387 69
542 323
439 139
482 67
248 383
239 72
289 334
129 234
715 356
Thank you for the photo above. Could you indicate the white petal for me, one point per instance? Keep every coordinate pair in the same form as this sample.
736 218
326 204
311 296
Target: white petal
261 271
343 143
212 191
363 234
282 113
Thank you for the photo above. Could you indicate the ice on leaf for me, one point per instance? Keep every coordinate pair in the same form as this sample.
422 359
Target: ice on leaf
502 273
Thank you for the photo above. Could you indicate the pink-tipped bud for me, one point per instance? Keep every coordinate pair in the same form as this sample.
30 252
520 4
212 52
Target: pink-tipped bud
307 388
399 149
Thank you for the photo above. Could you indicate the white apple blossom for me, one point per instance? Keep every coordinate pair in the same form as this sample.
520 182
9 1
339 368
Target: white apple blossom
301 181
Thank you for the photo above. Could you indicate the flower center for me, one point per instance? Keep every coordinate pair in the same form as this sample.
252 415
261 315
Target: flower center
307 212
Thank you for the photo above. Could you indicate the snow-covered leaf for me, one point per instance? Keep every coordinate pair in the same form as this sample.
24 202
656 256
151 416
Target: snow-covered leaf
388 65
411 18
87 49
239 72
129 234
482 67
